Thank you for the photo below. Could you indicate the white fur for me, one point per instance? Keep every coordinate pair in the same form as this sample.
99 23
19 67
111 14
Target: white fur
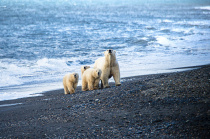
83 68
90 79
70 82
109 67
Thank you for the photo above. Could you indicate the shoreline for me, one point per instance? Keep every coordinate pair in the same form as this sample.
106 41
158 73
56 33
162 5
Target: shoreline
41 92
166 105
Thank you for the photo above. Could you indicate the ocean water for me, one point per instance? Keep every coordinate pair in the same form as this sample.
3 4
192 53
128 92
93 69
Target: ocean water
42 40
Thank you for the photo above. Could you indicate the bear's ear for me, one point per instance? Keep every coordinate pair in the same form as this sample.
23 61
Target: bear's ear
114 51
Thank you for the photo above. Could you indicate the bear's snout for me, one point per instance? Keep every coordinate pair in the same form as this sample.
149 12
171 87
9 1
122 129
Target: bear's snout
110 51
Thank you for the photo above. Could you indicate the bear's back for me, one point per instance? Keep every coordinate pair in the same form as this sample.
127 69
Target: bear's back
87 73
99 63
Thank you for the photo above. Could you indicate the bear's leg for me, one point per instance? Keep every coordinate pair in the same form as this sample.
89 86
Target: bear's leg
71 90
96 84
116 76
65 86
75 86
105 82
70 87
90 85
65 90
84 86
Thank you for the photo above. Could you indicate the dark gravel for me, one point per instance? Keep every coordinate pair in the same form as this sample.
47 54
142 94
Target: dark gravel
173 105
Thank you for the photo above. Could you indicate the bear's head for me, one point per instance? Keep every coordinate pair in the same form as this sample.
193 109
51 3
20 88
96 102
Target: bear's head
83 68
75 77
97 73
109 52
110 55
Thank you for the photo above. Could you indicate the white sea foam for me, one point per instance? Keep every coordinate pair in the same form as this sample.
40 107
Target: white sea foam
42 70
163 40
28 90
10 74
50 63
203 22
185 30
6 105
144 38
8 79
203 8
44 75
167 21
15 95
194 23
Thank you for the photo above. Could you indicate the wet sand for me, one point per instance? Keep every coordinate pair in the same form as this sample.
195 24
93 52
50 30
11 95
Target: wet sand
171 105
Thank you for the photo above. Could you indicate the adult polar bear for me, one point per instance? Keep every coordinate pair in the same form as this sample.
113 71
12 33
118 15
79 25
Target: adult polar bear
109 67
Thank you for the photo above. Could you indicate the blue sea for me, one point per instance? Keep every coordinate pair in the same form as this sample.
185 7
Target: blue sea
42 40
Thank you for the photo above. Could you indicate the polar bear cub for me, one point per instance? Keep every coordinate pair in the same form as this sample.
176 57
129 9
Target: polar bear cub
90 79
109 67
83 68
70 82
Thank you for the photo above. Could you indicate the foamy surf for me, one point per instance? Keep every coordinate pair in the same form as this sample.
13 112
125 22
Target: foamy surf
203 8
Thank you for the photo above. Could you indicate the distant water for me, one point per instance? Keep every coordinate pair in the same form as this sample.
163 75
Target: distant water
42 40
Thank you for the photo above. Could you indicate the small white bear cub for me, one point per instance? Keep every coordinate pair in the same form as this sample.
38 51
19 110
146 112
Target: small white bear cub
90 79
70 82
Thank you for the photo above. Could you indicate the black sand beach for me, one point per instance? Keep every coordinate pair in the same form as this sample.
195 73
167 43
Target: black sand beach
171 105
